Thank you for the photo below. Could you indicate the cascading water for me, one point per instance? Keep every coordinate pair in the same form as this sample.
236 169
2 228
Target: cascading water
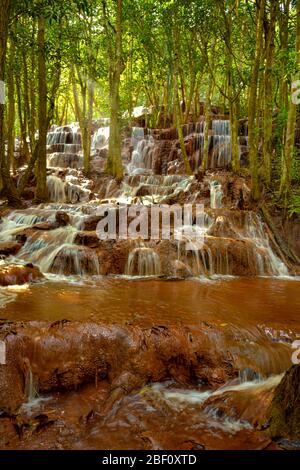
100 138
31 386
73 189
56 189
143 261
267 261
216 195
65 158
52 250
42 248
221 143
72 259
55 250
64 147
191 246
236 236
154 188
141 159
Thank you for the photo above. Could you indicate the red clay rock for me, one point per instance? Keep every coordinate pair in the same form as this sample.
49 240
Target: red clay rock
222 228
45 226
62 218
89 239
64 355
78 260
9 248
90 224
181 270
19 274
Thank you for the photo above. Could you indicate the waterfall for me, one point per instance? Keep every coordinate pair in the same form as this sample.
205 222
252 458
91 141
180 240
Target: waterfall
142 155
138 133
72 189
31 389
31 384
199 260
216 195
52 250
73 259
17 221
221 127
143 261
41 248
64 147
56 189
154 188
256 232
219 144
100 138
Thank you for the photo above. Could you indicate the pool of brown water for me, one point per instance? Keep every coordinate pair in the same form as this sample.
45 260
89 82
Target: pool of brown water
240 301
265 312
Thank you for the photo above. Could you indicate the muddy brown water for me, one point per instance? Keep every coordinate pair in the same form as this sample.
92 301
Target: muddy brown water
265 312
242 301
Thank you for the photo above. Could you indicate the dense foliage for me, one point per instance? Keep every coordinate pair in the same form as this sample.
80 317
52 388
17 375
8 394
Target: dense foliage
83 59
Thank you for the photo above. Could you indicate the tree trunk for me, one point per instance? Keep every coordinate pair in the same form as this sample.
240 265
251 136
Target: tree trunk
232 96
252 131
268 94
32 93
7 184
11 109
114 162
41 171
177 108
284 40
22 119
87 94
29 127
287 158
207 123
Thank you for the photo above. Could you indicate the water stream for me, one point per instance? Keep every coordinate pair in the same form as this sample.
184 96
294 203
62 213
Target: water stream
235 288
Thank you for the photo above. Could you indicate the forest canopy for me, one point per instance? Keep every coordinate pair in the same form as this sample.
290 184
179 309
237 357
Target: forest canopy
82 60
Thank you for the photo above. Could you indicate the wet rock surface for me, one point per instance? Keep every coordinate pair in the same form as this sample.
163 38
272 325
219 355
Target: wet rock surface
19 274
284 411
108 386
64 355
173 368
9 248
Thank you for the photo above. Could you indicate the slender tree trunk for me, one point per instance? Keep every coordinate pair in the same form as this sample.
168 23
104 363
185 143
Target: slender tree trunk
232 96
268 94
32 93
191 95
22 119
114 162
207 123
252 105
41 171
84 114
48 120
234 136
177 108
11 109
77 107
287 159
178 121
7 184
193 78
90 103
284 40
27 109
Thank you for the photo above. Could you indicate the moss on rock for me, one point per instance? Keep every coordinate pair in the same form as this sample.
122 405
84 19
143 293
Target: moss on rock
284 412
